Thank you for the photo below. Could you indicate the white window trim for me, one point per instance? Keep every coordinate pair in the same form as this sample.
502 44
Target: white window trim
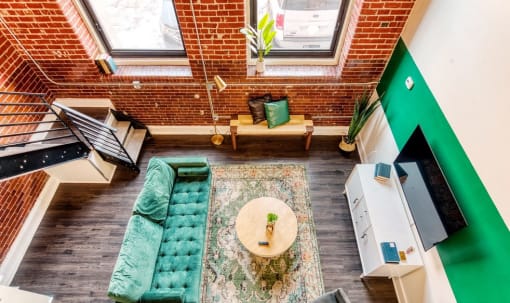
125 61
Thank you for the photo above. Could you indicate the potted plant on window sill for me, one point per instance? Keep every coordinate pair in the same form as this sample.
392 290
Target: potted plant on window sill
363 109
260 40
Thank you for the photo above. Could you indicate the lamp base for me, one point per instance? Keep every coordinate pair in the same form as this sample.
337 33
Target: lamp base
217 139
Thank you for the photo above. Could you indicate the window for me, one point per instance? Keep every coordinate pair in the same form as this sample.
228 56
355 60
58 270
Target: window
304 28
141 28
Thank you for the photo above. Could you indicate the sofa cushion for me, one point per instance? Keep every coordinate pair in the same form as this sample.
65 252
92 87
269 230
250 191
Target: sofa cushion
277 113
179 263
134 269
164 296
152 202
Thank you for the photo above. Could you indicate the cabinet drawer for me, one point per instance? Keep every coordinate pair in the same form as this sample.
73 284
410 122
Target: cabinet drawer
368 251
353 188
360 216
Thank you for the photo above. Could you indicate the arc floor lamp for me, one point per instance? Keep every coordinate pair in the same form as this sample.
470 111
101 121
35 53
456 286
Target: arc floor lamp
217 138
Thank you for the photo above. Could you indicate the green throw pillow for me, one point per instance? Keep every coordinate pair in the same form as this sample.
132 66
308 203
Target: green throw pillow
277 113
193 171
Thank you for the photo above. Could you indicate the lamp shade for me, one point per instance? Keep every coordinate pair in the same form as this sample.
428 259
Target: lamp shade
220 84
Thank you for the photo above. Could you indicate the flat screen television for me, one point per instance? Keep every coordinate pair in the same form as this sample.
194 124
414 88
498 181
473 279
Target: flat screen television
433 206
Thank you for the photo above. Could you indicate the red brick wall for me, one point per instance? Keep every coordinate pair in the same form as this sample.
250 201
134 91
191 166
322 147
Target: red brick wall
64 50
56 37
17 196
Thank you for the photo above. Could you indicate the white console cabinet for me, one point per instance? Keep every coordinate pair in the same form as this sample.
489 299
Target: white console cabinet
378 215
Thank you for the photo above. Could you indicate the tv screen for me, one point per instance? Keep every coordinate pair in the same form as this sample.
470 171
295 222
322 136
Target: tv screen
433 206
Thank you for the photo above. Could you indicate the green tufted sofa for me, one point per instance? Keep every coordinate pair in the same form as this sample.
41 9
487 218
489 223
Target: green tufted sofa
160 259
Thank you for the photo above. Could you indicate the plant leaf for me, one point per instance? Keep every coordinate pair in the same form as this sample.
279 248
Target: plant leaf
363 109
263 21
254 49
269 38
268 49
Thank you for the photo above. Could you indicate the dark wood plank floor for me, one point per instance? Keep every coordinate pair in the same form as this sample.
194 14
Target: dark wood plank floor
73 252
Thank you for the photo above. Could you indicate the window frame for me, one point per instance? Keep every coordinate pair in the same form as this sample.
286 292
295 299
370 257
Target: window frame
127 53
308 54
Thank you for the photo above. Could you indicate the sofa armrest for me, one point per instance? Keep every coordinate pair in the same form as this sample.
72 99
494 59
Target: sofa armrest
133 272
152 202
163 296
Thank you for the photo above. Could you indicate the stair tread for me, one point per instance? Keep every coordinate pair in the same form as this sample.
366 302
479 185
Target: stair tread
119 154
134 142
122 130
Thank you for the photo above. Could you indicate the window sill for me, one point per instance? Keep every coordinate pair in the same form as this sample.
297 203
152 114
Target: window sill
153 71
294 71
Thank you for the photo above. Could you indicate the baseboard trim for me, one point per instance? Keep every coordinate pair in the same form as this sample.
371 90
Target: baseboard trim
20 245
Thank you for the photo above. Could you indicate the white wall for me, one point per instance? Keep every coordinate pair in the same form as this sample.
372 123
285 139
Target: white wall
462 49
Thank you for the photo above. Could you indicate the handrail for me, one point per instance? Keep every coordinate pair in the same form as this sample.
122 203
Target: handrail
22 138
28 123
34 132
26 113
29 126
81 116
99 135
33 136
23 94
35 141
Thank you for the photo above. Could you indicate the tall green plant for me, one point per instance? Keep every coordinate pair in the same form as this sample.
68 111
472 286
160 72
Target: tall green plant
261 39
363 109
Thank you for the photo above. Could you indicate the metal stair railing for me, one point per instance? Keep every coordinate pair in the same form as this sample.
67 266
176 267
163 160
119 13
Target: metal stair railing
28 140
100 136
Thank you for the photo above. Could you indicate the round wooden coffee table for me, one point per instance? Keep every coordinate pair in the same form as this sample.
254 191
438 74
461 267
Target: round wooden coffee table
251 226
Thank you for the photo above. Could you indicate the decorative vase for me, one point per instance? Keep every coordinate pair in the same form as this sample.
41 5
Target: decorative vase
346 148
270 227
261 66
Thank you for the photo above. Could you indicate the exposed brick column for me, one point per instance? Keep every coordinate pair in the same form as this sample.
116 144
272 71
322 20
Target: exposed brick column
372 33
54 34
223 46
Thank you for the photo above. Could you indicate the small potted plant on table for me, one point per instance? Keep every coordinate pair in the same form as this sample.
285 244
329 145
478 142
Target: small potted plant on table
271 220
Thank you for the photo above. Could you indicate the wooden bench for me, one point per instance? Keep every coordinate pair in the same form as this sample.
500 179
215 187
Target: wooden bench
298 125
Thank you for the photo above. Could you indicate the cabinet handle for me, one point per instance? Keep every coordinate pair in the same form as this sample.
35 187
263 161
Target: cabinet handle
364 236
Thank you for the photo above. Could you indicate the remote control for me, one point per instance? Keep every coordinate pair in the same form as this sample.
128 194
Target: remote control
263 243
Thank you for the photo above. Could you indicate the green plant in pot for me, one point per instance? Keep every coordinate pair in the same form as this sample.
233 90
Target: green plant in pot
261 39
271 220
363 109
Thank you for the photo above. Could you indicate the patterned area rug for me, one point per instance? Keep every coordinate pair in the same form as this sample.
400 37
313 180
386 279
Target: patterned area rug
232 274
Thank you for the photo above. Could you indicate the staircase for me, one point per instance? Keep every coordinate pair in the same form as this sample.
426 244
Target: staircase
36 135
28 142
118 140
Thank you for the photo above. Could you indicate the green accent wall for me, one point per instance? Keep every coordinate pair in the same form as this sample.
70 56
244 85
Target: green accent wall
477 258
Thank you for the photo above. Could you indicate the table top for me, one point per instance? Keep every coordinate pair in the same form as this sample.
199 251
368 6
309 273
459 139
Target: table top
251 226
